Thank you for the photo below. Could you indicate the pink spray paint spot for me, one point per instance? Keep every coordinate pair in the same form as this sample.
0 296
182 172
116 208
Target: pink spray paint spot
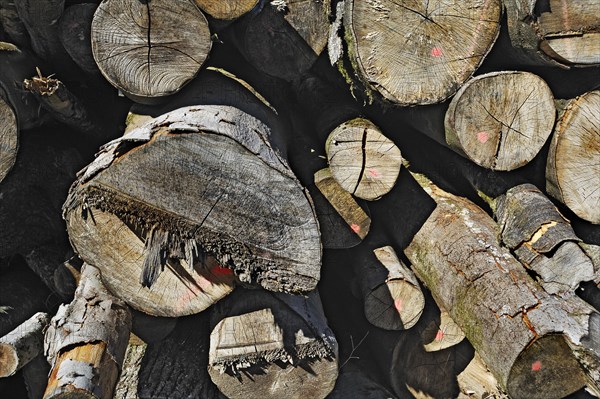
436 52
482 137
536 366
398 304
373 173
439 336
355 228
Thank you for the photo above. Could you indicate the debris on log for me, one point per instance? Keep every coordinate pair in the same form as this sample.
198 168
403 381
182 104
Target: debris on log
500 120
86 341
23 344
572 169
362 160
147 49
266 345
435 46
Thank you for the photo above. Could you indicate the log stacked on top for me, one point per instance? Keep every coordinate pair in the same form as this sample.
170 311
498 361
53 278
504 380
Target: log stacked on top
264 228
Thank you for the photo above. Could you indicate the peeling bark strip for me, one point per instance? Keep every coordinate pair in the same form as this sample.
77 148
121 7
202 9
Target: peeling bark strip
22 344
266 345
86 341
556 32
522 333
250 213
542 239
418 52
9 138
501 120
574 159
392 297
145 48
226 9
362 160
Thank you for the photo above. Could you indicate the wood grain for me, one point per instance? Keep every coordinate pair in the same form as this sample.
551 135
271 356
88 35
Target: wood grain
9 138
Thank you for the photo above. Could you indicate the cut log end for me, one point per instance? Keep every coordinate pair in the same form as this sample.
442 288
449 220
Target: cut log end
572 167
395 305
226 9
9 360
501 120
145 48
436 38
362 160
9 138
546 369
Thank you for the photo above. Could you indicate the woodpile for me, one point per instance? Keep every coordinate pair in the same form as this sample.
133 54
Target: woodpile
299 198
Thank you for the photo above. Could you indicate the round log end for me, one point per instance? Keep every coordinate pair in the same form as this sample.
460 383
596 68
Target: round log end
395 305
9 138
501 120
546 369
9 360
362 160
145 48
226 9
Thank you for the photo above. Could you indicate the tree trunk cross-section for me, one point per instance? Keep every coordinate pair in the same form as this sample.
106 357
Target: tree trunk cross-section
236 200
501 120
524 334
23 344
226 9
146 48
418 52
573 163
9 138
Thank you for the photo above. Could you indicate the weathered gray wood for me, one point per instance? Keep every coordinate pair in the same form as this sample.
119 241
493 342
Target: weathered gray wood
75 30
573 163
476 381
417 52
127 386
23 344
149 48
12 24
9 138
521 332
362 160
226 9
542 239
86 341
448 334
392 297
555 32
266 345
500 120
249 211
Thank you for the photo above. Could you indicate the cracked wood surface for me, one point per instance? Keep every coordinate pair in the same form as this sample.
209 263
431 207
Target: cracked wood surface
362 160
266 345
573 163
250 213
149 48
542 239
418 52
522 333
226 9
23 344
86 341
500 120
9 138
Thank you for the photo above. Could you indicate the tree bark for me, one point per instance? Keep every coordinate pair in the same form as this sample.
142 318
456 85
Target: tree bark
391 294
362 160
542 239
271 346
23 344
9 138
226 9
555 32
86 342
147 49
500 120
276 246
75 30
572 167
127 386
520 331
445 40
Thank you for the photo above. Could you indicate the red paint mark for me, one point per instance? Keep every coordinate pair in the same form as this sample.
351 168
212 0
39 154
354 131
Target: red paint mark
373 173
221 271
355 228
439 336
398 304
536 366
436 52
482 137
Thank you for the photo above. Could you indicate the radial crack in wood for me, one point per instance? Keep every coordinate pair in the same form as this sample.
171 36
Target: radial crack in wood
501 120
145 48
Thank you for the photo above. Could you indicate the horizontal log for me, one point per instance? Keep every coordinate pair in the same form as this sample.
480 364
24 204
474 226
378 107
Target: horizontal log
23 344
